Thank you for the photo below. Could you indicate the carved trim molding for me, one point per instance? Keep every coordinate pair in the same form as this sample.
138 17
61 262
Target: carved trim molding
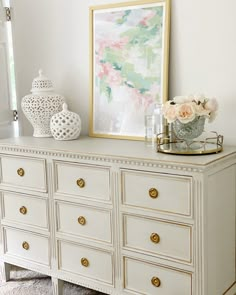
107 159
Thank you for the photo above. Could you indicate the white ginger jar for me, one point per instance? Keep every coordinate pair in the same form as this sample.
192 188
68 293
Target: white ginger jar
65 125
41 105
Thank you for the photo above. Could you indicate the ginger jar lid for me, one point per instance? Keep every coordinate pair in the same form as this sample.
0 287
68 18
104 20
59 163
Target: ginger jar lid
41 84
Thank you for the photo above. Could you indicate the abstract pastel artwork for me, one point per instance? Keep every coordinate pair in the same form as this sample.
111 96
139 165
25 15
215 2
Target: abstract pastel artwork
129 52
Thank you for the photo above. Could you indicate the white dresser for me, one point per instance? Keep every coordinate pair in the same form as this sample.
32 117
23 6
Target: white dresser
117 217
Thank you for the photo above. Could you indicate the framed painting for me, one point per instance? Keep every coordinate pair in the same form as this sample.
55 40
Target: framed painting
129 46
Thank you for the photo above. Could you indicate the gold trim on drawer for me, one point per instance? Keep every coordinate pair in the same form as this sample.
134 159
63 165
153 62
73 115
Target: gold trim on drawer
140 182
142 265
155 238
25 245
23 210
153 193
156 281
148 248
21 172
80 182
24 172
84 261
82 220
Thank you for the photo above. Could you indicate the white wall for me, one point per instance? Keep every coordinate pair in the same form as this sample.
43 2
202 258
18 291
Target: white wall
54 35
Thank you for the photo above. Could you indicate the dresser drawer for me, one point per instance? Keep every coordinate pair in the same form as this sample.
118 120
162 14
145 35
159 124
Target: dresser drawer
158 237
84 221
25 209
155 191
26 245
24 172
86 261
81 180
150 279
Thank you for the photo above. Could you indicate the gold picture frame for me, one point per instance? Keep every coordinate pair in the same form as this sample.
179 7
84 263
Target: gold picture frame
129 59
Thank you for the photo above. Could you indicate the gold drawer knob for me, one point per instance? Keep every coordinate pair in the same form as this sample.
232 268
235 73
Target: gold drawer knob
84 262
155 238
80 182
20 172
153 193
23 210
25 245
81 220
156 282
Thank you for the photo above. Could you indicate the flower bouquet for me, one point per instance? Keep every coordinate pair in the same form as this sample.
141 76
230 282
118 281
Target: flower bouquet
188 114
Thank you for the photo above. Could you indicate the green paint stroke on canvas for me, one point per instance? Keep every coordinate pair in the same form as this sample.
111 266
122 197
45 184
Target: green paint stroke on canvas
137 80
124 17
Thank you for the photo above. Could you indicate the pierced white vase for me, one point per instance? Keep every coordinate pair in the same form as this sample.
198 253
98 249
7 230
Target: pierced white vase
65 125
41 105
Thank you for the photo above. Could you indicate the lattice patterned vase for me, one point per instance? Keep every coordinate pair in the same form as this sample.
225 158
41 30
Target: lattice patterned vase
65 125
41 105
189 131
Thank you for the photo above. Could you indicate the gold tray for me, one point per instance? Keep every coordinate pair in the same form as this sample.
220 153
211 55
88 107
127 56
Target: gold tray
209 143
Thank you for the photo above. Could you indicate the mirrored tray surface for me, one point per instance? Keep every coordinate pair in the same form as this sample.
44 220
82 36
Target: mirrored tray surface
208 143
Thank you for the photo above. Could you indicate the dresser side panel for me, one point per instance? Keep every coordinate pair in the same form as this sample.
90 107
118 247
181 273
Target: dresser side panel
220 229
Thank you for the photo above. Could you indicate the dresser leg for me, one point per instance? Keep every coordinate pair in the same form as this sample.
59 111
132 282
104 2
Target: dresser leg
57 286
5 271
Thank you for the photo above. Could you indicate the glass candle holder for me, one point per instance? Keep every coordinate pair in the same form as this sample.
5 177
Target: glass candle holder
150 134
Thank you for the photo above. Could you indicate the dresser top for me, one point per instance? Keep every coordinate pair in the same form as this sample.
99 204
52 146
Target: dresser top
114 148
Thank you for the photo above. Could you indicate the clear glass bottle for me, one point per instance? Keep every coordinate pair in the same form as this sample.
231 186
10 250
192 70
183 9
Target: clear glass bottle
153 123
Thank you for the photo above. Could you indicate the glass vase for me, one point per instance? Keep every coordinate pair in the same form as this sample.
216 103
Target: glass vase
189 131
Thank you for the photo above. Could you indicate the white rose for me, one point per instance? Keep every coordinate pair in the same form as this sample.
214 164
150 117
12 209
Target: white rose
186 112
199 98
211 105
169 112
200 111
212 117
